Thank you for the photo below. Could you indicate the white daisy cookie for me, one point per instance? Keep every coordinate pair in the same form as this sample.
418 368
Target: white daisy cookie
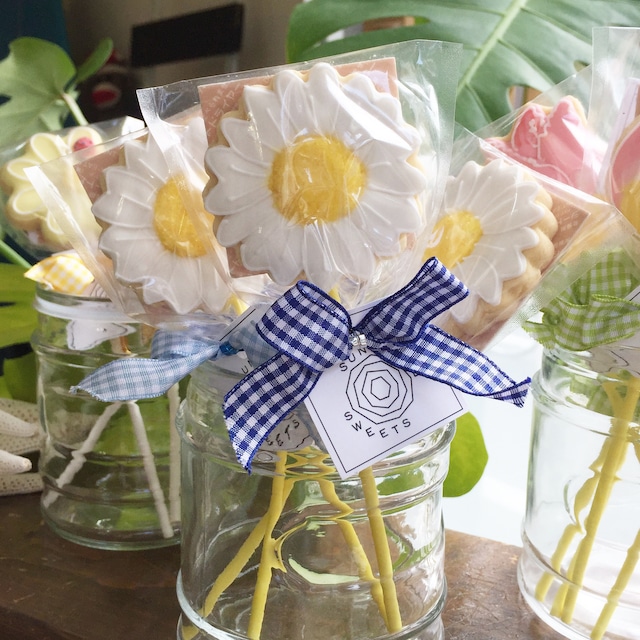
155 244
316 177
494 234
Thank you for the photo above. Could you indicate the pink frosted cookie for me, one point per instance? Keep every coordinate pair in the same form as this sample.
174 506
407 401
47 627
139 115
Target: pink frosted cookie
555 142
494 234
624 173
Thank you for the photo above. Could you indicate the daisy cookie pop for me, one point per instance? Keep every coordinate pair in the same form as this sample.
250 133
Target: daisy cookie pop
494 234
156 245
316 177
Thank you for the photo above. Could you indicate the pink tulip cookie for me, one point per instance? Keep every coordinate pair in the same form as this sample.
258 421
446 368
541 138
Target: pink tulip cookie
556 142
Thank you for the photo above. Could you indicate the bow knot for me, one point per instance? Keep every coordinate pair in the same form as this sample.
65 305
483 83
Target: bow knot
304 311
357 340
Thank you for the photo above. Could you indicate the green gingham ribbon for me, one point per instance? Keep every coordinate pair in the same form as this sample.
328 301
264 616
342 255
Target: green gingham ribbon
594 310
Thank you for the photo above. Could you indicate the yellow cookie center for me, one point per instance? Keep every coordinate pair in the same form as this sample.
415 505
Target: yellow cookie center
172 223
457 235
630 204
317 179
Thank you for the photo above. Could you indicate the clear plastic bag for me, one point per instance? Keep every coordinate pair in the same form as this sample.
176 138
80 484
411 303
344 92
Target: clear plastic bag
23 214
516 239
552 135
134 254
329 171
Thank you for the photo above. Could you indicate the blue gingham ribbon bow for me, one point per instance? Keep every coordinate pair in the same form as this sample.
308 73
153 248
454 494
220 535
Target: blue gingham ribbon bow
311 332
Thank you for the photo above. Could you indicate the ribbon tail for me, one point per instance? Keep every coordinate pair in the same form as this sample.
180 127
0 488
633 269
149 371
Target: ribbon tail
261 400
439 356
135 378
514 393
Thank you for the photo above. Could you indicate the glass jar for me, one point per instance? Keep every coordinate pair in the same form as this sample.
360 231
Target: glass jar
579 568
287 552
111 471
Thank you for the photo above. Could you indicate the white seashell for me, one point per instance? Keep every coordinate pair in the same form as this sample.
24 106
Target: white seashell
10 463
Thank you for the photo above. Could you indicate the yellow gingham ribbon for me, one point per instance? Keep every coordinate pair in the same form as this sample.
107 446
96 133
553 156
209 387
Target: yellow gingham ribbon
63 272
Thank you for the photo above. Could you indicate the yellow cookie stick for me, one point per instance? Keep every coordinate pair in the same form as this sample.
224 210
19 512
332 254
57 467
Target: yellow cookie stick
348 531
583 498
268 559
614 460
353 542
383 553
626 572
238 562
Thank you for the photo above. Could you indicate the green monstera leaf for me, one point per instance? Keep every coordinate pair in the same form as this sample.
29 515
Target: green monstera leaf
529 43
39 79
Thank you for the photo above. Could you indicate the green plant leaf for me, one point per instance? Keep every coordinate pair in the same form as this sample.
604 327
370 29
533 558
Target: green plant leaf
18 318
20 377
4 391
468 457
532 43
39 80
34 77
95 61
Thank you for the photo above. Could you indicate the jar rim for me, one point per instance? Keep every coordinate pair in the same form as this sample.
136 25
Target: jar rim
68 306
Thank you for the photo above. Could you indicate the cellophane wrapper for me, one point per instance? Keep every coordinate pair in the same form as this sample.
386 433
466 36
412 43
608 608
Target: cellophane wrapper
515 237
614 113
24 217
551 134
330 171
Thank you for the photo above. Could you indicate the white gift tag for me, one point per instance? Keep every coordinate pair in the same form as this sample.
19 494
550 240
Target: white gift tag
622 354
87 334
292 434
364 409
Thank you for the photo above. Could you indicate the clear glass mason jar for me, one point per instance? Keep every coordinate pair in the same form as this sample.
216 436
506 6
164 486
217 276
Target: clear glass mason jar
110 470
579 568
287 552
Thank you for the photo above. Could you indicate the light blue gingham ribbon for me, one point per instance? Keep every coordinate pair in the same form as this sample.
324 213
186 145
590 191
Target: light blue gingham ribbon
312 332
173 357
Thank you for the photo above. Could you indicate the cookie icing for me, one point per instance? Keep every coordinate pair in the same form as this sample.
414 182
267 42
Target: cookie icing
493 234
24 208
155 244
624 173
316 178
555 142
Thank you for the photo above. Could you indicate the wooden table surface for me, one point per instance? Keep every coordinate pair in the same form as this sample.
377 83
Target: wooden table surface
51 589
